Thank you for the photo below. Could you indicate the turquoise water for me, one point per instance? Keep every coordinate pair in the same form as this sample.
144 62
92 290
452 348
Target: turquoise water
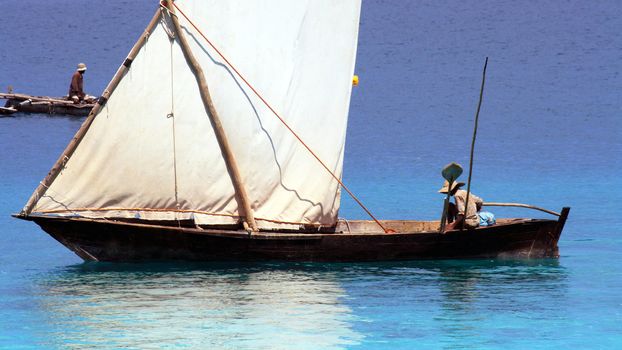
550 135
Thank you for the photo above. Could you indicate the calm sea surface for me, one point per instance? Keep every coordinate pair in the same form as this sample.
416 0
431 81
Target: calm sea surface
550 135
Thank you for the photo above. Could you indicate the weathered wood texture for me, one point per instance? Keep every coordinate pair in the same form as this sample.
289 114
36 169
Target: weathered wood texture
46 105
232 166
519 205
7 110
23 97
117 241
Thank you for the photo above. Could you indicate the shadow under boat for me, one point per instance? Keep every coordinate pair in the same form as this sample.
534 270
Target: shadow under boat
356 240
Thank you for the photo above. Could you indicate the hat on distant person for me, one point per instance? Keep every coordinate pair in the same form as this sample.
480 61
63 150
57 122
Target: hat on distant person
455 184
81 67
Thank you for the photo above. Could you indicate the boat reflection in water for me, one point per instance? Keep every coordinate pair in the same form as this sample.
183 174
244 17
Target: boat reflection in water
199 306
512 295
293 305
457 303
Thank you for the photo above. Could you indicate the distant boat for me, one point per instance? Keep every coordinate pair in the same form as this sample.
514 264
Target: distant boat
195 150
43 104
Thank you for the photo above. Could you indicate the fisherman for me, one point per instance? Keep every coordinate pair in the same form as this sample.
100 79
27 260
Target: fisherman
76 88
455 212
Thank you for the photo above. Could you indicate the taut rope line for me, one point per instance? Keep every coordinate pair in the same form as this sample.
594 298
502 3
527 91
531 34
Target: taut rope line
279 117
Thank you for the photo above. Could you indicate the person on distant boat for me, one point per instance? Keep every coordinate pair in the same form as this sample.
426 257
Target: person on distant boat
455 212
76 88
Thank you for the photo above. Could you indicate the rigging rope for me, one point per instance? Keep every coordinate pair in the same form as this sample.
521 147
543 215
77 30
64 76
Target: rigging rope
278 116
172 116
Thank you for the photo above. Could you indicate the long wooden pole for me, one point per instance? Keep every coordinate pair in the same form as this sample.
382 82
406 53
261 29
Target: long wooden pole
445 209
33 98
71 147
520 205
479 106
230 161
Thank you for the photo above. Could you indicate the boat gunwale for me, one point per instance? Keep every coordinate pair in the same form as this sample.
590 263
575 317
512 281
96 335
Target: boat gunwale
307 234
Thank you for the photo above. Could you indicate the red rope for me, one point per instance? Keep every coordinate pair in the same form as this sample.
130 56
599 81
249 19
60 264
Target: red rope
281 119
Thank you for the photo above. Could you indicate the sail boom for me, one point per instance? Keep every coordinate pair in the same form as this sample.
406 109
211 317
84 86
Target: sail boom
198 217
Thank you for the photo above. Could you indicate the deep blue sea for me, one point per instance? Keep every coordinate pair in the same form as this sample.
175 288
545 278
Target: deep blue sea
550 135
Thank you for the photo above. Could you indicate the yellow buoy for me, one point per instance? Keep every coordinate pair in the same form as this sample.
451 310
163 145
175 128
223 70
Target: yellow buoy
355 80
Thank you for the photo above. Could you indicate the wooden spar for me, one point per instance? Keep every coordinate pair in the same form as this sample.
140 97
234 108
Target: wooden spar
68 152
444 215
4 96
519 205
451 172
228 156
7 110
479 106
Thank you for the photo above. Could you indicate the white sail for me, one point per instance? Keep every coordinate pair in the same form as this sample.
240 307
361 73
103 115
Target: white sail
151 151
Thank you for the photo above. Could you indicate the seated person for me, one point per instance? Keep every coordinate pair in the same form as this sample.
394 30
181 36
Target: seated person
455 212
76 88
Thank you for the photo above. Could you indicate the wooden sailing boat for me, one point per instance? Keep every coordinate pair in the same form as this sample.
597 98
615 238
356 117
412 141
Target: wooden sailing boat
215 168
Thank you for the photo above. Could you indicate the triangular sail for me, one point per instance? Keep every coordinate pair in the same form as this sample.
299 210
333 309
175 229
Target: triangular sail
151 152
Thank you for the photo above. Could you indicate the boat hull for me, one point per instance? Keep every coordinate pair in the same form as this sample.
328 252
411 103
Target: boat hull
117 241
45 105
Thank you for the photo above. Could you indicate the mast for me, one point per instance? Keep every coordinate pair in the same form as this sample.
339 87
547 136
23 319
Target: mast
71 147
223 142
479 106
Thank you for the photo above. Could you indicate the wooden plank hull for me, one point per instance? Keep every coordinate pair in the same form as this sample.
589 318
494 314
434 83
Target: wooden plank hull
46 105
7 110
117 241
55 109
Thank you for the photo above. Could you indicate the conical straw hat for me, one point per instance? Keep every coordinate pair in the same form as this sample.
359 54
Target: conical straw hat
446 188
